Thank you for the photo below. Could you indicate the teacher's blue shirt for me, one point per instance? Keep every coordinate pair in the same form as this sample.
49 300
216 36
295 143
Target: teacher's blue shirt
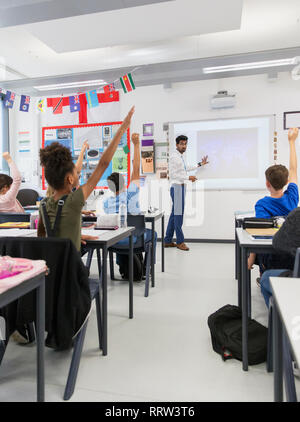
268 207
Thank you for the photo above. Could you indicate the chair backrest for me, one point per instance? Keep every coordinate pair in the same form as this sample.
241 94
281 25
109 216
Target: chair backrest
296 272
67 294
137 221
27 197
14 217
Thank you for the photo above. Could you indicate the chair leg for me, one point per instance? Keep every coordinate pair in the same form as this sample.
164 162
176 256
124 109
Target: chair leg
148 264
270 341
289 380
89 258
111 265
2 350
30 328
99 318
73 371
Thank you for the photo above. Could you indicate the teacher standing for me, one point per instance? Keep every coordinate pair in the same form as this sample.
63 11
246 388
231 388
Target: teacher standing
178 173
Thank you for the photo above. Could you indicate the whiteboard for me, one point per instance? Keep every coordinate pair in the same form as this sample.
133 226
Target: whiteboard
238 149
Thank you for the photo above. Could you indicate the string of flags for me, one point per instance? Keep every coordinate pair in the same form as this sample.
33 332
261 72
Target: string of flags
77 102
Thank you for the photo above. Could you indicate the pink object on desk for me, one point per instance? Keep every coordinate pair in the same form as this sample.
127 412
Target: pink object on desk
12 266
36 267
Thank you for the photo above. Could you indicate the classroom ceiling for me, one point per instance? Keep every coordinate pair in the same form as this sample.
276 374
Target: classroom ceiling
164 41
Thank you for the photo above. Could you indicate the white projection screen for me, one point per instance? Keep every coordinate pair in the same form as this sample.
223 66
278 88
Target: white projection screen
238 150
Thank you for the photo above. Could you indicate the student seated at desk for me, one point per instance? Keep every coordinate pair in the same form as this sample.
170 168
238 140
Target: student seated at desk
286 241
61 174
280 202
129 197
9 187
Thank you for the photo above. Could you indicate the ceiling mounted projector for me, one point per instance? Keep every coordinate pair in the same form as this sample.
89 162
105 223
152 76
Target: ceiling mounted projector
223 100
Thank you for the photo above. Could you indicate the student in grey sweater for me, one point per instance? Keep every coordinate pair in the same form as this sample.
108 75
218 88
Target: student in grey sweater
286 241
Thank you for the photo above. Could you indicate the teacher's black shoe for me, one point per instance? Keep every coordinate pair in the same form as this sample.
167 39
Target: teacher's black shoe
183 247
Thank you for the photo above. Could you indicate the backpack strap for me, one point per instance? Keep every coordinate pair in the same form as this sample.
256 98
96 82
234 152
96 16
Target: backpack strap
51 232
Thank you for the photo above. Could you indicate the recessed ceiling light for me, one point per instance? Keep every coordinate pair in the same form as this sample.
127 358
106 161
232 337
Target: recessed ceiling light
252 65
70 85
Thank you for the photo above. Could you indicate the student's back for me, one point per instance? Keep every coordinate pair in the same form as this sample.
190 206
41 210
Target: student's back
268 207
280 202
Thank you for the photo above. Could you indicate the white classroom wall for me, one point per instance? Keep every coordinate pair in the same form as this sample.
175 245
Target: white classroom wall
190 101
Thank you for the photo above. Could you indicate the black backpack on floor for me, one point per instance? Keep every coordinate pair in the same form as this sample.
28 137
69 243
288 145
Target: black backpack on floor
138 266
226 335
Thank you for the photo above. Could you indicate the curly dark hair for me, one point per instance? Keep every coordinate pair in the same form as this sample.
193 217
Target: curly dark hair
277 176
115 182
5 180
57 162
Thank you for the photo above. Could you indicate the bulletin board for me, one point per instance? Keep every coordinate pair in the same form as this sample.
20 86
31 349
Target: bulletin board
99 135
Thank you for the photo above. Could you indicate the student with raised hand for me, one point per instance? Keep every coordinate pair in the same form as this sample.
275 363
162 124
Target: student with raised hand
9 187
61 174
130 196
280 202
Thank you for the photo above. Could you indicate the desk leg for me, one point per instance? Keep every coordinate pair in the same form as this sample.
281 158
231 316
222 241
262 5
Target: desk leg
162 244
40 340
249 290
152 255
277 353
104 297
130 276
238 257
245 292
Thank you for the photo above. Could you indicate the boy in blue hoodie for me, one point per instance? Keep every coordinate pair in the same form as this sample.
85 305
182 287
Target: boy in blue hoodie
280 202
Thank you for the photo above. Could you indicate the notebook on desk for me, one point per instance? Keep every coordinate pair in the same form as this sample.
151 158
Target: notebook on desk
262 234
15 225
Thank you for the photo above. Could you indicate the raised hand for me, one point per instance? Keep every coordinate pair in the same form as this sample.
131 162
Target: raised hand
135 137
6 156
204 160
293 134
85 145
127 120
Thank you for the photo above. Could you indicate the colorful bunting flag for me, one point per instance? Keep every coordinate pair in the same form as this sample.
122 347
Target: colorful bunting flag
9 99
24 103
126 149
108 97
92 98
40 106
127 83
109 88
74 103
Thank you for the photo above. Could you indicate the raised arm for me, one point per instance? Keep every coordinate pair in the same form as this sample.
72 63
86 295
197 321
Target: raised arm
292 136
135 175
106 158
16 176
79 161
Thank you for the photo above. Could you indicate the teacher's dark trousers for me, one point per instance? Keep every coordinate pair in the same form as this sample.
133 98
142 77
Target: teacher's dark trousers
176 218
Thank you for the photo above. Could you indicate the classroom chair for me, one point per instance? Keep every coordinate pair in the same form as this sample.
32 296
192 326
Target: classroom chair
66 267
17 217
139 246
27 197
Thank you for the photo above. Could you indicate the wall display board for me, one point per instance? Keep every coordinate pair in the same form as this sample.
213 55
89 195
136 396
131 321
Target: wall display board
238 150
98 135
